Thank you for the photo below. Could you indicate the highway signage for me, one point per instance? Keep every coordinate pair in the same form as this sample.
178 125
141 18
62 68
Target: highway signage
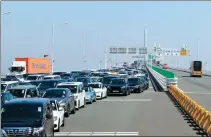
113 50
122 50
143 50
131 50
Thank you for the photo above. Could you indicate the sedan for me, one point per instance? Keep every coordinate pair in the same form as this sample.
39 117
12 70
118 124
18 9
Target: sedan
90 95
64 97
136 85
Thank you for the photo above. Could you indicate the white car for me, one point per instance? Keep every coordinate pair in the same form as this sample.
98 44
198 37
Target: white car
100 91
77 89
58 115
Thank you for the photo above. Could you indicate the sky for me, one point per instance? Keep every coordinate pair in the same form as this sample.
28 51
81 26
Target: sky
97 26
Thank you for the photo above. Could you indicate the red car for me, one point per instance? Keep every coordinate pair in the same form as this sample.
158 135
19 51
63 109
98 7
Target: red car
165 66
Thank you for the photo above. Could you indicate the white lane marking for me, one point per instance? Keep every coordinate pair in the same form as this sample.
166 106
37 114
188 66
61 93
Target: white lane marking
80 133
96 134
131 100
126 132
203 93
61 134
150 87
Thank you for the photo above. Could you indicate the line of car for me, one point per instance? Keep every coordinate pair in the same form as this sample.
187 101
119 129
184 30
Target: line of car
38 107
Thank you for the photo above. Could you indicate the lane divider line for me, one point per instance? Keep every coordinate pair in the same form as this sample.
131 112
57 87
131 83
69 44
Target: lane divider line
96 134
129 100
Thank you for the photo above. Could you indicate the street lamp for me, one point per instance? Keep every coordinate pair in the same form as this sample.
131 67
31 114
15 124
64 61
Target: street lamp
53 46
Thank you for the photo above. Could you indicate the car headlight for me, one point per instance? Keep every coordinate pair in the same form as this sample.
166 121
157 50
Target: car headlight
55 118
62 104
36 131
76 97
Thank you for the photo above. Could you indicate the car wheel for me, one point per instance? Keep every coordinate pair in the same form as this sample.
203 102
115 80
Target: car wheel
73 111
63 122
67 114
125 93
84 103
57 130
78 105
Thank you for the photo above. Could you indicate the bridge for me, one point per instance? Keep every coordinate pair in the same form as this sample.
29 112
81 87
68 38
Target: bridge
170 111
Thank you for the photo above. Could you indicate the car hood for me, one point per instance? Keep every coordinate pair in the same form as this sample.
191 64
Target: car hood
97 89
21 124
116 85
57 99
89 93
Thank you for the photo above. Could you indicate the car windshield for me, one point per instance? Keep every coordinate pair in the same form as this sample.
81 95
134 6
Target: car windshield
107 80
3 87
49 84
48 78
122 72
21 112
55 94
133 80
31 78
35 83
53 104
95 85
84 80
11 77
24 83
73 88
18 93
117 81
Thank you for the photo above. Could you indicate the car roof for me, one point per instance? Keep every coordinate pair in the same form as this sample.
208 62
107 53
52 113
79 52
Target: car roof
28 101
95 83
8 82
23 87
70 83
52 76
36 75
57 89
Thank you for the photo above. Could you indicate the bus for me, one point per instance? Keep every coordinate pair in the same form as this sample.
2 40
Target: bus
196 68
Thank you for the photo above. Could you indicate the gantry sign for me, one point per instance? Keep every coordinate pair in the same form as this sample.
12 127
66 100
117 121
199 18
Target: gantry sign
122 50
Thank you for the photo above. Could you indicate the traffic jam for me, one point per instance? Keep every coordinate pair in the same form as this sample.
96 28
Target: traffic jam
38 104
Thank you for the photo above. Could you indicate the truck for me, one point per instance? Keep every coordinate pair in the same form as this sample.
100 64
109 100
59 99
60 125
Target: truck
26 65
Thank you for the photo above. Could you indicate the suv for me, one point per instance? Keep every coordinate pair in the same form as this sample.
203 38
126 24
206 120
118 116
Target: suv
28 117
24 91
118 86
78 92
5 85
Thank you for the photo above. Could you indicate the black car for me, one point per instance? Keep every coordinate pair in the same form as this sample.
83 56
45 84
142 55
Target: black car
118 86
107 80
136 85
28 117
59 73
46 84
145 81
64 97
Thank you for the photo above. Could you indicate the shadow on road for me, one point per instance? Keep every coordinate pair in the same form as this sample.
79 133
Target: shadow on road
186 117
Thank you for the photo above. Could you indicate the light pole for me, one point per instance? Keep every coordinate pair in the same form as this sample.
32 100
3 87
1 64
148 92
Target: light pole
53 46
197 49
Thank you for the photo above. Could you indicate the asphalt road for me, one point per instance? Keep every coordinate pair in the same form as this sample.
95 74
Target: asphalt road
146 114
199 89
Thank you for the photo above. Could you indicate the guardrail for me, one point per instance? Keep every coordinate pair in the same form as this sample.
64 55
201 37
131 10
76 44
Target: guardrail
200 115
163 77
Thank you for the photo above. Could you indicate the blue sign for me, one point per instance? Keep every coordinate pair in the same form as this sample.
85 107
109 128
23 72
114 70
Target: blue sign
38 66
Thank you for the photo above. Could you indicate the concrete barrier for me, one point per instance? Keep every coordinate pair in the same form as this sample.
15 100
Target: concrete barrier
200 115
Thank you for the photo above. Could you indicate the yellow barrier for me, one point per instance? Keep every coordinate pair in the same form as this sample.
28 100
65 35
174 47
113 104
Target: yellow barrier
200 115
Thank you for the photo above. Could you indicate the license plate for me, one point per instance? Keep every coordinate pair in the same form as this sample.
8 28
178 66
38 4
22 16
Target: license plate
115 90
